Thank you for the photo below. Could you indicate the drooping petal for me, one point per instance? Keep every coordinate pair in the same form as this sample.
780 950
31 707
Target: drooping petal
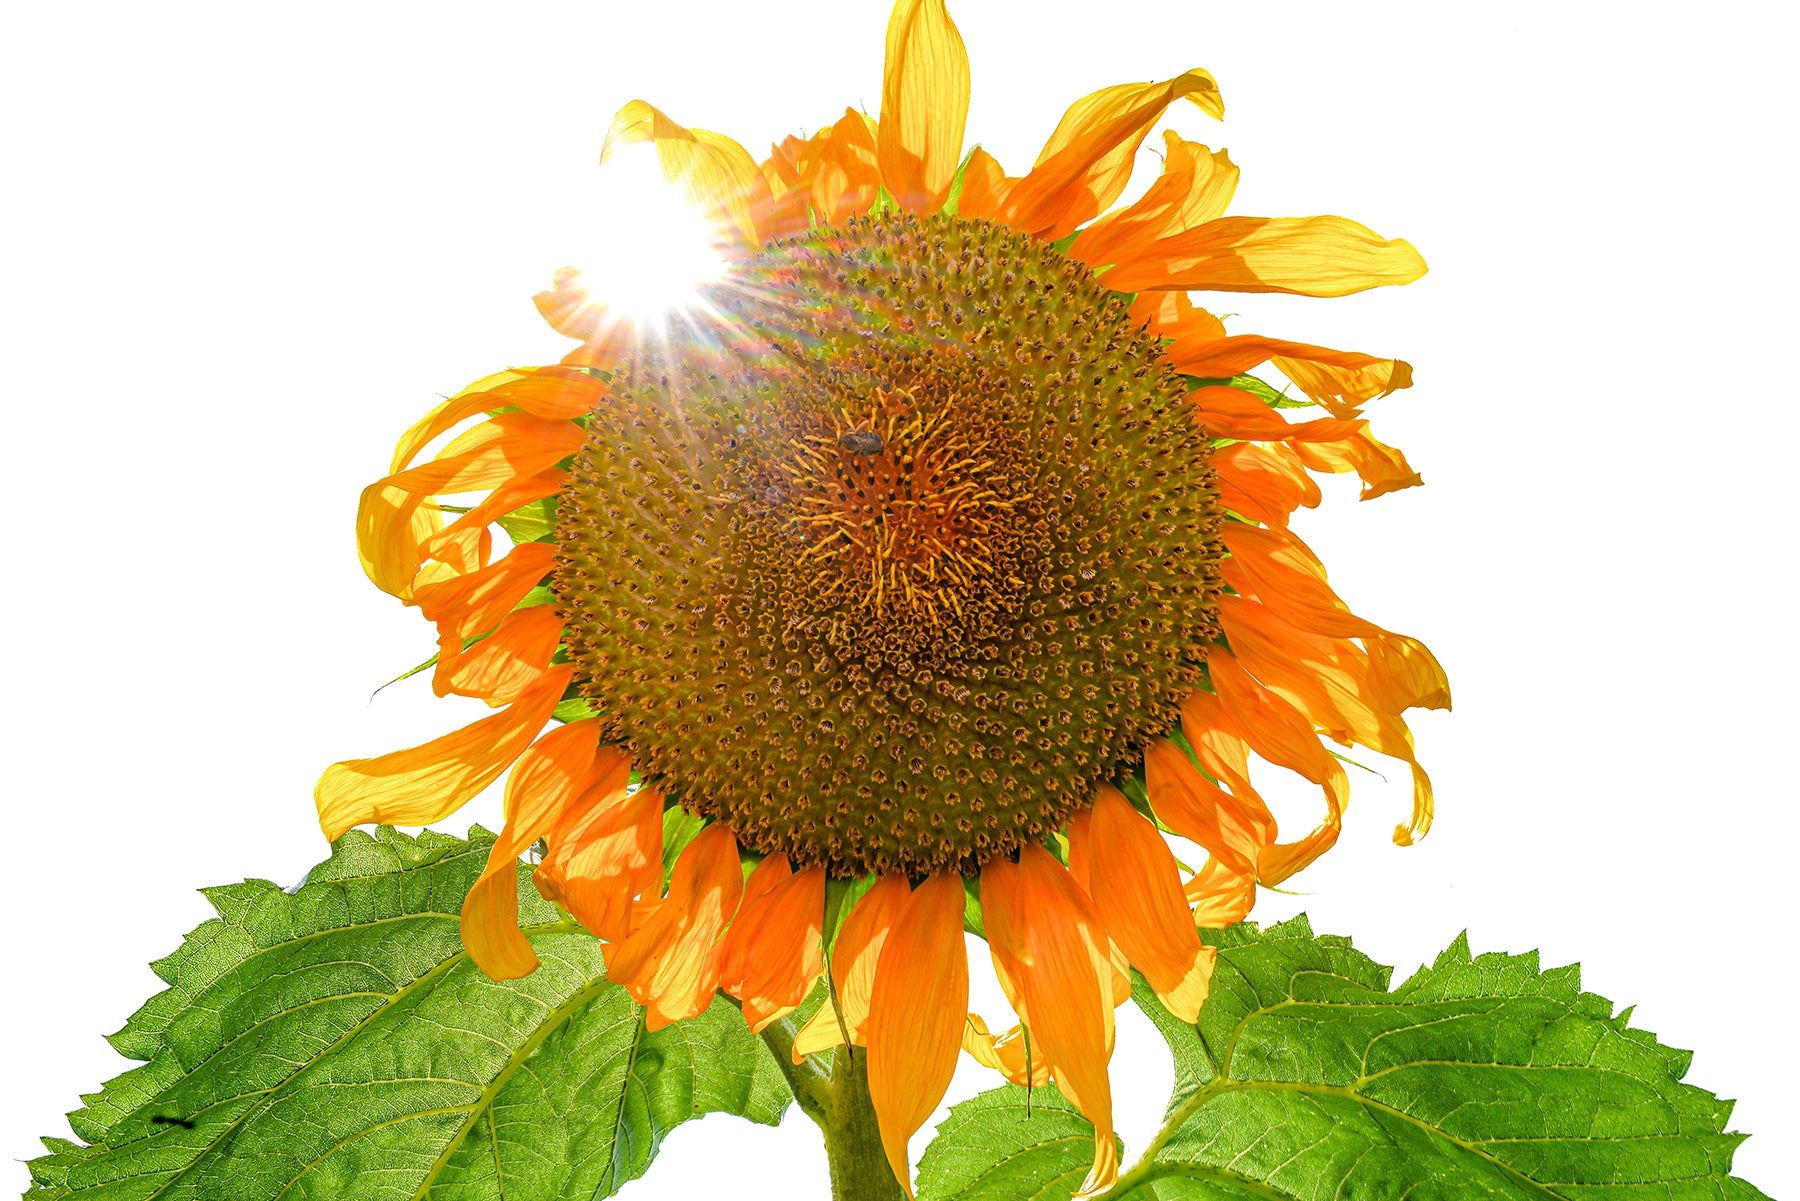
1086 163
507 447
1283 573
464 543
1234 828
713 173
1220 894
1227 412
1341 387
1195 186
916 1013
548 777
1276 730
1050 952
1329 680
464 606
552 393
427 783
1264 481
1008 1053
1381 468
853 960
1136 888
1337 379
924 103
604 856
671 966
1406 673
1307 256
504 666
772 953
1171 315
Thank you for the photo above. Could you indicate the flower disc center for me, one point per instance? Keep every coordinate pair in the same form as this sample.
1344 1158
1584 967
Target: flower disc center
916 553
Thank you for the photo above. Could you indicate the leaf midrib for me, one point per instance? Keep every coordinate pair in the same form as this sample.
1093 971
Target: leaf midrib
268 1095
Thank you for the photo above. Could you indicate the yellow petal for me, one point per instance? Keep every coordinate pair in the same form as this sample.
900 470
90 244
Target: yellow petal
1087 161
1051 954
604 855
558 768
924 104
1307 256
1136 887
772 953
713 173
916 1014
1195 186
854 957
671 965
427 783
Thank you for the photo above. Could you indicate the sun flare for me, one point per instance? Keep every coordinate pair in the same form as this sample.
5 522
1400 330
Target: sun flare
654 250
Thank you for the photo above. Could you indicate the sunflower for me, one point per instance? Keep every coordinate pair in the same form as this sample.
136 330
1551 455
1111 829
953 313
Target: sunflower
932 568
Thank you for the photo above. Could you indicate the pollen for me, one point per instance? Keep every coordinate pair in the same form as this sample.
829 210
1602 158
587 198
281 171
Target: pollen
917 548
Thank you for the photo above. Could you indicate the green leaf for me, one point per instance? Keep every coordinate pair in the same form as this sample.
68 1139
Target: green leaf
988 1149
1306 1078
338 1043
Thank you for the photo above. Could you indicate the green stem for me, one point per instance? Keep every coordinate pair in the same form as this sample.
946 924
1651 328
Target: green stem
839 1104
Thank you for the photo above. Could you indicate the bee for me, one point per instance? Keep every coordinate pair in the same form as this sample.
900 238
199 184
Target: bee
860 442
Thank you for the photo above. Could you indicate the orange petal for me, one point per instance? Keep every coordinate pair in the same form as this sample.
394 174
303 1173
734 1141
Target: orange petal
559 767
1232 828
552 393
1381 468
985 186
1328 679
1339 386
452 544
1173 315
1407 673
1264 482
427 783
1227 412
1195 186
571 309
671 966
1307 256
845 177
1220 895
464 606
1137 890
1087 161
916 1014
773 952
496 452
854 956
1278 731
1009 1054
604 856
1050 950
924 104
504 666
1337 379
1282 572
713 173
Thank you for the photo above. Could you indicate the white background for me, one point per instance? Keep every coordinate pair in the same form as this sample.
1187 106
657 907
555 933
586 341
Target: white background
246 246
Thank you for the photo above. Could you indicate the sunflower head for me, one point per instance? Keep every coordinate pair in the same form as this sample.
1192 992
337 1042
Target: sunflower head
942 550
